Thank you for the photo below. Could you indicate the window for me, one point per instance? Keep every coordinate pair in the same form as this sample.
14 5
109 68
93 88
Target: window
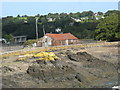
72 40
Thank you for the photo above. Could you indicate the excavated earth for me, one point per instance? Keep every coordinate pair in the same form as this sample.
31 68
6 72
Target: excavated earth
78 68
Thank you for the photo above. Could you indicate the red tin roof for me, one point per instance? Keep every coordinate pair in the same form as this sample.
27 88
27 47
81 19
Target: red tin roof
64 36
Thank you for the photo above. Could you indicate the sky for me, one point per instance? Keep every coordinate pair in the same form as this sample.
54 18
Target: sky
43 8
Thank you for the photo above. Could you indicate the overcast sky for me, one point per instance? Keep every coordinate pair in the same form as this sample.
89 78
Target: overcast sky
31 8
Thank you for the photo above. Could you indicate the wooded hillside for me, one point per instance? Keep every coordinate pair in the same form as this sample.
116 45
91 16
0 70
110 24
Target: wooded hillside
83 25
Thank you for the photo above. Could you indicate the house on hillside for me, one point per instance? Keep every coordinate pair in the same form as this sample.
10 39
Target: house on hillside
76 20
20 39
58 39
51 19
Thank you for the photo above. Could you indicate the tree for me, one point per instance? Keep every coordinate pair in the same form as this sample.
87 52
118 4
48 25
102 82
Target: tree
111 12
87 13
9 16
18 15
24 16
38 15
9 37
100 13
108 29
16 25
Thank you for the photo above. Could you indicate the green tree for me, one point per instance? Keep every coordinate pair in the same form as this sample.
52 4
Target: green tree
111 12
100 13
9 37
108 29
87 13
18 15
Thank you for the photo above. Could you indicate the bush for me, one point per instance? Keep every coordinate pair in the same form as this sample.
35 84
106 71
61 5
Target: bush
29 42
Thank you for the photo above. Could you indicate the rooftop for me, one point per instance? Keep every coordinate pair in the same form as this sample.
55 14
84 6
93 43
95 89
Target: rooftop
64 36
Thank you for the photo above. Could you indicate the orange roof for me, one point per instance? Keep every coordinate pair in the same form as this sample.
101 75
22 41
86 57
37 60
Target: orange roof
64 36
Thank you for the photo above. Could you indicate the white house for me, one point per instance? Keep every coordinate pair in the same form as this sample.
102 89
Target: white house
58 39
76 20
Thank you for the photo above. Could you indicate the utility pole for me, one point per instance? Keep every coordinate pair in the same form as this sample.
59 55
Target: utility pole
45 43
43 30
37 28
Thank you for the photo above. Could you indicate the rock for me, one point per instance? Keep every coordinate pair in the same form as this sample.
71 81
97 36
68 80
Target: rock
81 56
56 72
69 52
70 77
73 57
58 63
78 77
6 69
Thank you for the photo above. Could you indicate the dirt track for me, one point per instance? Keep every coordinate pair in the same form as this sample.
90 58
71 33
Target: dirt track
87 67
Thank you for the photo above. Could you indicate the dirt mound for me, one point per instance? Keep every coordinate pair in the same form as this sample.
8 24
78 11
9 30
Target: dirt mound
90 61
81 56
56 71
68 70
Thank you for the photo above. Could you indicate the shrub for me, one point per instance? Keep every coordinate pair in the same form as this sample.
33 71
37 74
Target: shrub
29 42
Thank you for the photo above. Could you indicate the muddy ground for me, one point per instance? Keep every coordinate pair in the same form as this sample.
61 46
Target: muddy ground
78 68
